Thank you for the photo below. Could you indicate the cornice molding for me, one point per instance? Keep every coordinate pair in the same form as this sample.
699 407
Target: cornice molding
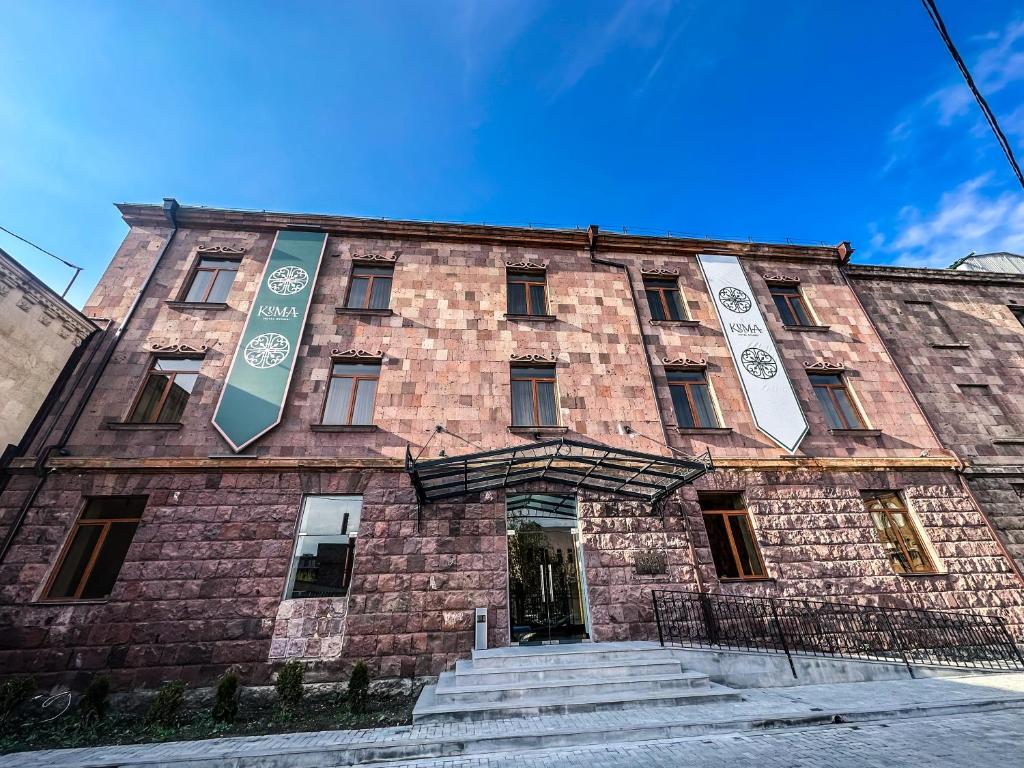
909 274
546 360
823 366
35 293
685 362
357 354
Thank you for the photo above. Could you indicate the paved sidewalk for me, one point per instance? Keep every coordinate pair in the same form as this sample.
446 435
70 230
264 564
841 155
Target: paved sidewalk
760 710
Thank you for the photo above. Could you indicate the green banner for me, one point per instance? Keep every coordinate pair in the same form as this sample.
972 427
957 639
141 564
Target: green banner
253 397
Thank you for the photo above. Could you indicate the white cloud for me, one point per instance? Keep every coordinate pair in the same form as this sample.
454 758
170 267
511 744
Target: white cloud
972 217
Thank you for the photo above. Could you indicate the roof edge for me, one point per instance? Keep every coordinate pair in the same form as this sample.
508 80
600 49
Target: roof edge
879 272
44 295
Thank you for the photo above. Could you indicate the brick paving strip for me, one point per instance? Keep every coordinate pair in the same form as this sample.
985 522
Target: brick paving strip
762 709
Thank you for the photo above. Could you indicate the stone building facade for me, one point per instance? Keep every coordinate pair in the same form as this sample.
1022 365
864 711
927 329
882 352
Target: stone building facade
39 332
958 337
214 569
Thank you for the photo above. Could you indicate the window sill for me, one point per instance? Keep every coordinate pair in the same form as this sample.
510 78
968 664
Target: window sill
677 323
923 574
143 427
538 318
856 432
704 430
951 345
344 427
808 328
538 432
1008 441
357 311
70 601
213 306
746 580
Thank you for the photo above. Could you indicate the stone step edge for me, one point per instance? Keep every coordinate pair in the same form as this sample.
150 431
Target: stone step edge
465 666
682 677
734 725
566 649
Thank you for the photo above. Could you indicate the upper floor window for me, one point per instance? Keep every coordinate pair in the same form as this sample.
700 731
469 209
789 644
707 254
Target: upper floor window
691 399
1018 312
211 280
351 391
534 401
895 527
96 549
370 287
790 304
731 537
527 293
664 299
165 391
325 547
840 411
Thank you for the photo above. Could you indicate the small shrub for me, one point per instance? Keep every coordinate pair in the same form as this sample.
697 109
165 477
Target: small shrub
289 685
358 688
165 709
225 708
93 705
14 692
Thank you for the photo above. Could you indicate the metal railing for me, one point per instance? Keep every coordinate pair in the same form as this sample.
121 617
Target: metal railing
820 628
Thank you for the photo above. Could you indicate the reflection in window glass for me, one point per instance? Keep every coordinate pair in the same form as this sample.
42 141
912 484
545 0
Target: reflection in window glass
324 547
902 542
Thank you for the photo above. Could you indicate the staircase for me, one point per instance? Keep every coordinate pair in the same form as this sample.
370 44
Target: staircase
562 679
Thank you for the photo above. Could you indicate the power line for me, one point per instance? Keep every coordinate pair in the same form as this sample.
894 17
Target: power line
75 267
933 12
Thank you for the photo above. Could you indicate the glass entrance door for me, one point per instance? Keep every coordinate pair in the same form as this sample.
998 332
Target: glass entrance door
546 585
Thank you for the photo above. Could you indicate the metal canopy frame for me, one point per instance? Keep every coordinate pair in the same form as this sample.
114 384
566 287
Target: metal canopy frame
568 462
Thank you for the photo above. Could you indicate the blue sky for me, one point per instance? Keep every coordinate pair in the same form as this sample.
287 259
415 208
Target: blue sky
820 121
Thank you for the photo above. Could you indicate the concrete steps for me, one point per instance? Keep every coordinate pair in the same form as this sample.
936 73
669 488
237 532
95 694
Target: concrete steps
563 679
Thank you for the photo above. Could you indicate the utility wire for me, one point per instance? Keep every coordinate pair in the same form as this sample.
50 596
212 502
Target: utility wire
75 267
933 12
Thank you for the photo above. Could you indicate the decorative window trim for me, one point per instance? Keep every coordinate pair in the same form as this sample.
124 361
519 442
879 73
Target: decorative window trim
539 359
527 265
824 366
376 258
778 278
234 250
659 272
685 363
178 350
356 354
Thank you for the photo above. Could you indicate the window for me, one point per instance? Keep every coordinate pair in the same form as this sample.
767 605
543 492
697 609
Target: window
664 300
350 393
790 304
691 398
731 537
325 547
92 558
840 412
1018 312
533 397
370 287
897 532
165 391
211 280
526 293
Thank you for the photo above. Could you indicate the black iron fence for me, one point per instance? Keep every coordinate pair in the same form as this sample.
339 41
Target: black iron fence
904 635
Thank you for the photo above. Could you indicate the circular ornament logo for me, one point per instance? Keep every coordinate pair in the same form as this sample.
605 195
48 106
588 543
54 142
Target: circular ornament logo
266 350
759 363
287 281
735 300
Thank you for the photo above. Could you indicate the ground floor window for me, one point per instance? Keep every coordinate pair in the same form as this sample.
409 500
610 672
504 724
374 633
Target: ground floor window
325 547
95 551
902 541
731 537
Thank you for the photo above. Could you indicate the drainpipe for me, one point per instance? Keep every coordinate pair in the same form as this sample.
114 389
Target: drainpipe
592 231
171 212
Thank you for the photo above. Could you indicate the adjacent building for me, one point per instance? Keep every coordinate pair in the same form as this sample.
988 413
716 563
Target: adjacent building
333 439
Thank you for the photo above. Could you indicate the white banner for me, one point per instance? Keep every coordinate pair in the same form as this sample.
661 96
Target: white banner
767 387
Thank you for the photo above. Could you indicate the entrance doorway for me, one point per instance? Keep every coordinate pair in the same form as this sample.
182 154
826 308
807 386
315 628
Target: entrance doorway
546 585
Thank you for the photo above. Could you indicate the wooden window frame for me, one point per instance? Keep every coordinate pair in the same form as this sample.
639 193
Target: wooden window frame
897 535
198 267
167 388
355 385
528 279
371 278
727 513
651 285
106 523
829 388
534 380
686 386
793 295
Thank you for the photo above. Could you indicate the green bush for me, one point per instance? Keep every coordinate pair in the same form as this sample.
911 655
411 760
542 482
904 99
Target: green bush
358 688
14 691
289 685
225 708
93 706
165 709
